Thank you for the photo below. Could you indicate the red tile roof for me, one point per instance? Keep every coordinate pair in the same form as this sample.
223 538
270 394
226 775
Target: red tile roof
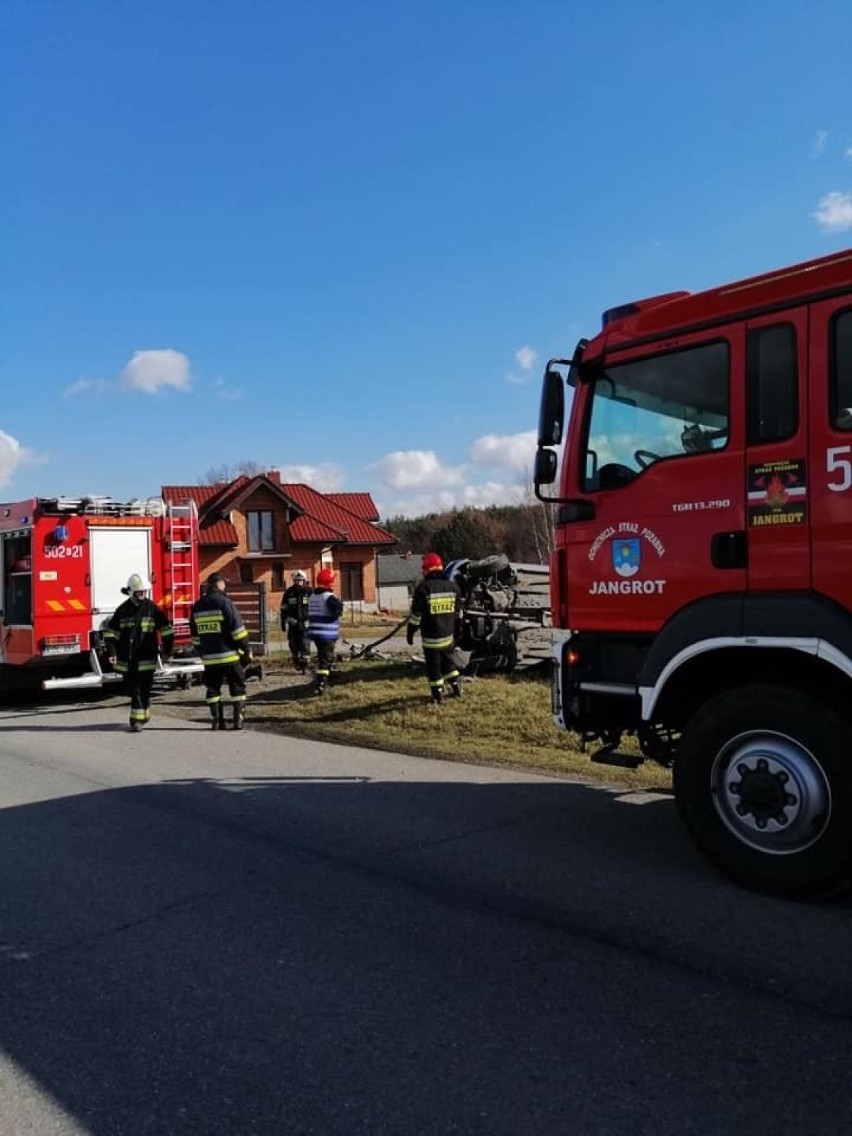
212 529
361 504
324 508
323 518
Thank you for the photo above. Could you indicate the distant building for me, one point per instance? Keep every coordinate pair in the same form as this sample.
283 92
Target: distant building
258 530
396 576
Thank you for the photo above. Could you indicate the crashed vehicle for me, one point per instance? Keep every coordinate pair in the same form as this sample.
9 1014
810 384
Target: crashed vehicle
505 617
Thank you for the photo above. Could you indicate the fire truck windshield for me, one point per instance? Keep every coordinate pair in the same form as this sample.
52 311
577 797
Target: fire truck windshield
639 412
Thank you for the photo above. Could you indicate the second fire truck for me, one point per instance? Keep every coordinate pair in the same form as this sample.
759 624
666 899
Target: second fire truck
63 563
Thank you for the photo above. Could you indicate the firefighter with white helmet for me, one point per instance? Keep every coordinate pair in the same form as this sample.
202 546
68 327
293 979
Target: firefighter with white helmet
294 619
324 611
435 607
135 635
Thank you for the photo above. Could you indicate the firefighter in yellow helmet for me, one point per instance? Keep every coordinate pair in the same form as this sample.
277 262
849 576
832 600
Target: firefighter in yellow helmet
435 607
135 635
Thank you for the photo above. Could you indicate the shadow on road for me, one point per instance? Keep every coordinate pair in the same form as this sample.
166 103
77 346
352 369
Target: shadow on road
338 955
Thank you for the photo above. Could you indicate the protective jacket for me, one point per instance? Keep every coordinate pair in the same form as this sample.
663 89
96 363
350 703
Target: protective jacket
218 631
324 611
130 634
294 607
434 608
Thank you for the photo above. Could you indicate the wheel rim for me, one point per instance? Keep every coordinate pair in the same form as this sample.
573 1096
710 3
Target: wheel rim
771 792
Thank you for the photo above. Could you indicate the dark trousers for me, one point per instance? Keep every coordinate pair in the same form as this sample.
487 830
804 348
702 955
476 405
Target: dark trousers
440 666
325 657
297 641
138 685
231 673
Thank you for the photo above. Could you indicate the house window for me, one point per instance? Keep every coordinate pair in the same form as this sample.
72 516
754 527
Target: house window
261 537
245 574
351 580
277 578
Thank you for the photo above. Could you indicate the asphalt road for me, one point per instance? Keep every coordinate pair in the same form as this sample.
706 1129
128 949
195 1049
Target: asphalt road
246 934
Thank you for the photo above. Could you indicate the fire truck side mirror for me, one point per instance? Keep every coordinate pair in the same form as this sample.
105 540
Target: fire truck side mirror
546 462
551 417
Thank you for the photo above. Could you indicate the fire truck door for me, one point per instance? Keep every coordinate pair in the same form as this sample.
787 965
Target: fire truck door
116 554
830 486
778 489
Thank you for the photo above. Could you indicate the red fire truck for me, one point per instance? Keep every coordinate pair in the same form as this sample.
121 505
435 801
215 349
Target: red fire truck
702 569
63 563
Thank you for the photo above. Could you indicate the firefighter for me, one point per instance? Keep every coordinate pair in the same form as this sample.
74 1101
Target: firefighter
130 637
294 619
222 642
324 611
435 608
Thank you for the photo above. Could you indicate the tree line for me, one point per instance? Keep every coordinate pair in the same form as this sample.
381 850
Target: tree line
523 532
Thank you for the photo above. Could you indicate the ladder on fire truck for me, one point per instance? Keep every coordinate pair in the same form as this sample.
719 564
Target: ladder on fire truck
182 584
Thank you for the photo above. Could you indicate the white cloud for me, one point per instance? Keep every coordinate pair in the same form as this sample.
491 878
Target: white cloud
154 371
86 386
514 452
326 478
12 455
820 139
417 469
527 357
443 500
226 393
834 212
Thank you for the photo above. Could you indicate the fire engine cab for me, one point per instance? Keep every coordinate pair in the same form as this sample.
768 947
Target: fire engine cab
63 563
701 577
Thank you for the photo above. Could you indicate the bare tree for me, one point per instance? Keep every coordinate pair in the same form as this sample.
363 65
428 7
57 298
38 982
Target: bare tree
221 474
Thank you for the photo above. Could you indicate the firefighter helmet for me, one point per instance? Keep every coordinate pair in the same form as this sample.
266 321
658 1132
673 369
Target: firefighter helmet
299 577
325 578
137 583
431 562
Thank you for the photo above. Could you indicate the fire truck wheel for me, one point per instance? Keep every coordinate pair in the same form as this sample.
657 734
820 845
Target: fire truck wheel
763 780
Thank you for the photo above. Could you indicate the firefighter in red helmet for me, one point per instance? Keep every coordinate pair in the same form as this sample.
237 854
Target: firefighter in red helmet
324 611
435 608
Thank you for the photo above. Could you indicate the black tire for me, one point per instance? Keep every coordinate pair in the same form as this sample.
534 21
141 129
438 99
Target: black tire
763 781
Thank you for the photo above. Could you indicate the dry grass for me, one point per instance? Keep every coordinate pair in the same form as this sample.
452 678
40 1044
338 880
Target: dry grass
502 720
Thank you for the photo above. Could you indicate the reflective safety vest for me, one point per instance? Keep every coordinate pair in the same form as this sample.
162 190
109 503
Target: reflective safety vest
218 631
434 608
324 610
130 634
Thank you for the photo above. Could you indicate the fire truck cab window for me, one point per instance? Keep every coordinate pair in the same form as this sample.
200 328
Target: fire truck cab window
664 406
773 384
841 371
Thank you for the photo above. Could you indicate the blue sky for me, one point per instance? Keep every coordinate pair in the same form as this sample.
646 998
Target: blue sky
340 239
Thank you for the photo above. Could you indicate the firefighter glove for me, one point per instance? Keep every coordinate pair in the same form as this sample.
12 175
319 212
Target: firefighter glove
409 635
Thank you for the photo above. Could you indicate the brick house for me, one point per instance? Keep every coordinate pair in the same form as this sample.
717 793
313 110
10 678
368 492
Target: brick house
258 530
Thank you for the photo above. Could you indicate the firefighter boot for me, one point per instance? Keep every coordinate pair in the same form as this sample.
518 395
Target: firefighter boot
437 695
455 687
322 684
217 713
239 716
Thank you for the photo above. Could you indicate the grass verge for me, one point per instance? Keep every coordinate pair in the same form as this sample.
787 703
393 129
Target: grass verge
501 720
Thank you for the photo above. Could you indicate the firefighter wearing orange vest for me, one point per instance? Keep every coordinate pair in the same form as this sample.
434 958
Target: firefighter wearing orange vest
435 608
131 638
